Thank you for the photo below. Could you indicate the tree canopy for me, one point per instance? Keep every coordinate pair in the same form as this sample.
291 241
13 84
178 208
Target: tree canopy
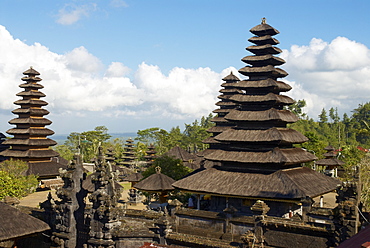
13 181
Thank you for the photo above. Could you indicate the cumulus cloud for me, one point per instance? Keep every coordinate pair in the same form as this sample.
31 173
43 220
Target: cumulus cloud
335 74
72 13
117 69
77 83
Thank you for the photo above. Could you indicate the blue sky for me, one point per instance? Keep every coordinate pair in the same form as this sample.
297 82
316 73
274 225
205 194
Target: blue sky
132 65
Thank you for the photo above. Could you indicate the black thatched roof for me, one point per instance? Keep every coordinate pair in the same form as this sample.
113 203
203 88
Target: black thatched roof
271 97
262 40
31 142
266 83
47 169
45 153
293 183
329 162
263 29
15 224
31 131
267 115
179 153
156 183
280 156
134 177
284 135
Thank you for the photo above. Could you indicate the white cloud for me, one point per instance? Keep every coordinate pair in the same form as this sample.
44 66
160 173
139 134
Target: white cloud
335 74
118 4
117 69
72 13
79 59
78 84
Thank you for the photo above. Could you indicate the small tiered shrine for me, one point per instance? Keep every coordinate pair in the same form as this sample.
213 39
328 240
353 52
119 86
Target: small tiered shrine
188 159
129 154
150 155
256 156
30 142
330 162
3 147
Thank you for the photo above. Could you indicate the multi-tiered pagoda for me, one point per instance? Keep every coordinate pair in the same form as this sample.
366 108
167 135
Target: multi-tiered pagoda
256 156
30 142
221 124
129 154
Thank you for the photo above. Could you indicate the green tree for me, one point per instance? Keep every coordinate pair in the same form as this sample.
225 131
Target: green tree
13 181
323 118
170 166
297 108
360 124
87 143
64 151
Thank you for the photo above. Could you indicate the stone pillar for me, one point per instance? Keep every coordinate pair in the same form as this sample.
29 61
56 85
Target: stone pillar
259 209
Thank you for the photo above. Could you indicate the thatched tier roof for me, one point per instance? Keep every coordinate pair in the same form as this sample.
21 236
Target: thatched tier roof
210 140
263 29
260 116
47 168
263 60
42 153
222 111
231 91
30 142
330 154
219 129
267 83
279 156
225 97
218 119
329 162
31 85
270 97
31 94
293 183
263 40
134 177
31 72
281 135
179 153
225 103
264 49
329 148
231 78
156 183
31 121
15 224
31 131
31 111
32 102
263 71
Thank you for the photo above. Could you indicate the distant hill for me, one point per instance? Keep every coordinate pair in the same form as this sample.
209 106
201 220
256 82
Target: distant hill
61 138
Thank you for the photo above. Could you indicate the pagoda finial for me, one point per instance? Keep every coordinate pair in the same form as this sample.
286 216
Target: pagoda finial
263 20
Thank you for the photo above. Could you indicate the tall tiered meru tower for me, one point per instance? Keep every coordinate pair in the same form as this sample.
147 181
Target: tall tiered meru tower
30 142
256 158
